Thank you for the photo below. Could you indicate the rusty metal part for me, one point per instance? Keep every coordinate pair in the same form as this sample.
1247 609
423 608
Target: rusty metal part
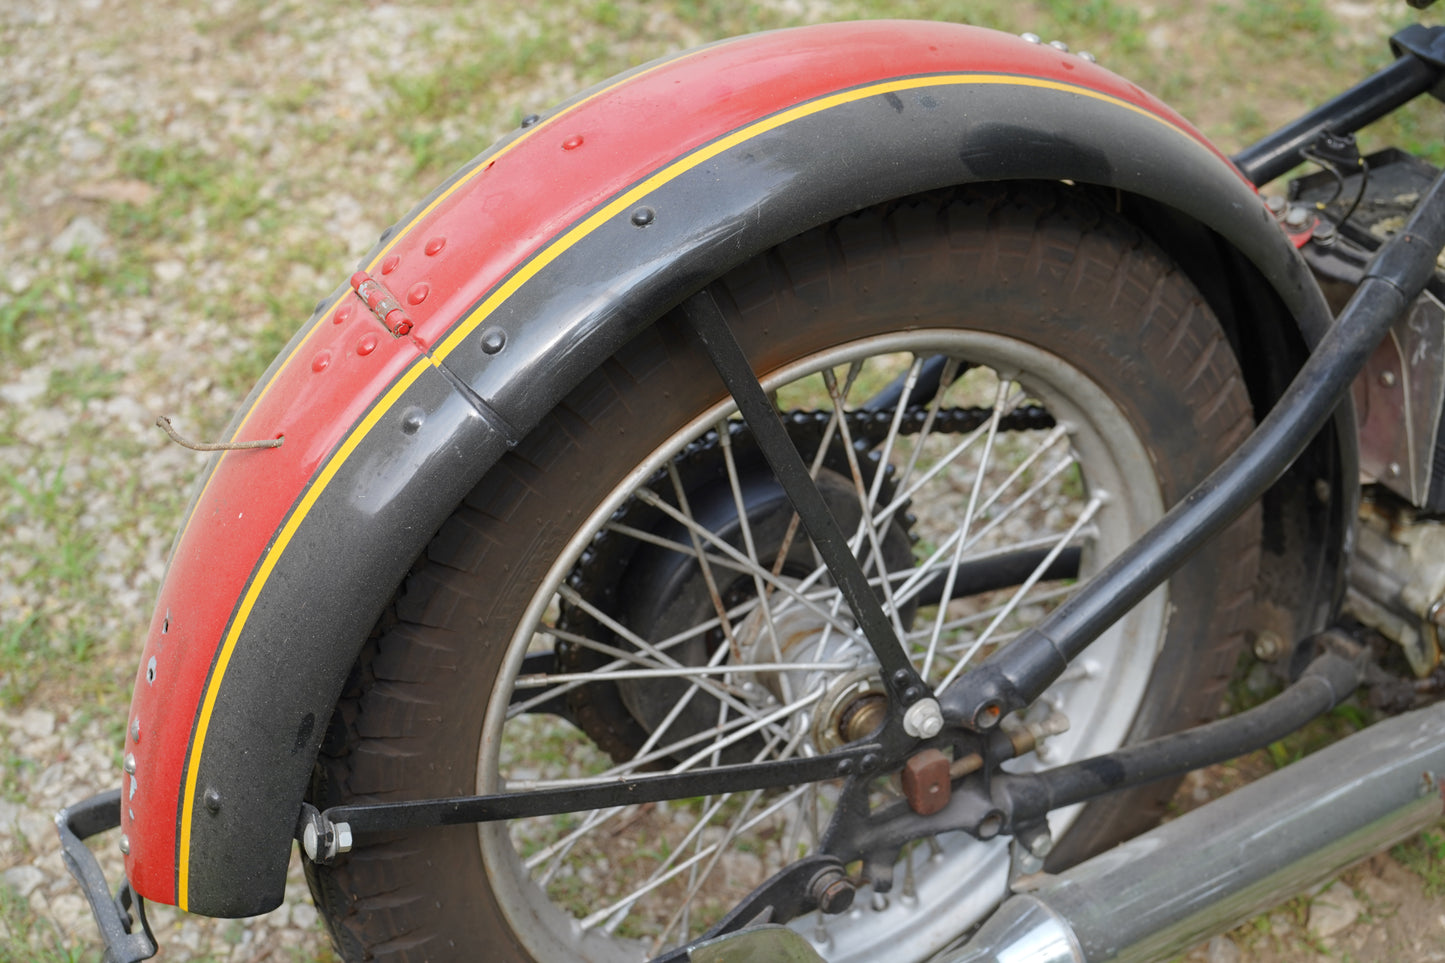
926 782
1397 578
833 891
964 765
384 305
854 704
863 716
1399 398
164 424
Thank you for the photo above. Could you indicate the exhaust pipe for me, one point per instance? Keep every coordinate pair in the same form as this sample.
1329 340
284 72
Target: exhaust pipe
1163 892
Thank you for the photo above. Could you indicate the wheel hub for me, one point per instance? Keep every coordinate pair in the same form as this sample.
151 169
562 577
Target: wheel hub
853 704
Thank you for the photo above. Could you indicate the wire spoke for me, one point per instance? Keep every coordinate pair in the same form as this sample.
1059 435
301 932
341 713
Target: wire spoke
959 520
759 585
1085 516
774 582
1000 399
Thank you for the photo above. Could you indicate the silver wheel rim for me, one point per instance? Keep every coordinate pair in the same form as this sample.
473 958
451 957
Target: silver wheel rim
1118 499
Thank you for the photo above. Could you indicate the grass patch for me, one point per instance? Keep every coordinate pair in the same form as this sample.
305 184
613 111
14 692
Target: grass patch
24 936
1425 857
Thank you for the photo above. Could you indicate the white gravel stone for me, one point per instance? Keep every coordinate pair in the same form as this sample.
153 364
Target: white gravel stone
24 880
1333 911
304 916
28 388
81 234
168 272
1222 950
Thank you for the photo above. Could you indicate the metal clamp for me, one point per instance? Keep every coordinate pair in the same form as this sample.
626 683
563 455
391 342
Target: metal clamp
113 915
321 839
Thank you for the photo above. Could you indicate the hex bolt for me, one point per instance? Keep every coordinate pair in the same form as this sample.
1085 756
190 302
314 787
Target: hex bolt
1039 842
924 719
1436 613
343 837
1268 646
1025 862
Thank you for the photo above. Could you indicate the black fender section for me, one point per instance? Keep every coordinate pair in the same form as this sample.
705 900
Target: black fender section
291 660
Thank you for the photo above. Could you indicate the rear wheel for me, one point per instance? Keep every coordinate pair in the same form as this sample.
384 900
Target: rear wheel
997 390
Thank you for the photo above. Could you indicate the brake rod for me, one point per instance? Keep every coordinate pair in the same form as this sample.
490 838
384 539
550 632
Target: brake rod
864 758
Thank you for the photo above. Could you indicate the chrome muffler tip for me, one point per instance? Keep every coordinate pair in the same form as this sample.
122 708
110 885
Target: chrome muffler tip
1022 930
1161 893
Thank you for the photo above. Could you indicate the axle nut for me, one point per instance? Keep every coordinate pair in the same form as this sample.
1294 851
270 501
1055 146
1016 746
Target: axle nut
833 891
924 719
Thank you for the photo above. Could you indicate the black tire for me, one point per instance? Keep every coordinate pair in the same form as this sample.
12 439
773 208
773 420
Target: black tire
1026 274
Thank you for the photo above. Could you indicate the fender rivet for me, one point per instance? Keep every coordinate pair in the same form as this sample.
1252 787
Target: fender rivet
643 216
321 362
135 730
366 345
412 419
124 844
531 119
128 764
389 265
493 340
151 670
418 292
342 315
212 799
573 142
434 246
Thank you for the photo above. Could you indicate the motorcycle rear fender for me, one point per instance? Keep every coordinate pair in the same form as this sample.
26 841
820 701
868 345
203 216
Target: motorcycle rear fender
522 273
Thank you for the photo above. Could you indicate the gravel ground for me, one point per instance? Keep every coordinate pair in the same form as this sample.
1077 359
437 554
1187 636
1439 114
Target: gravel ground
180 185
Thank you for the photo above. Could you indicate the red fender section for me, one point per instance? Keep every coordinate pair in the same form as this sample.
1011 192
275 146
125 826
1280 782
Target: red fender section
491 300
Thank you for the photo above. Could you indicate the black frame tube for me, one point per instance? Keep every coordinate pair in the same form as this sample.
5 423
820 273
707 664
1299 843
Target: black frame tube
1369 100
1025 799
1018 674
